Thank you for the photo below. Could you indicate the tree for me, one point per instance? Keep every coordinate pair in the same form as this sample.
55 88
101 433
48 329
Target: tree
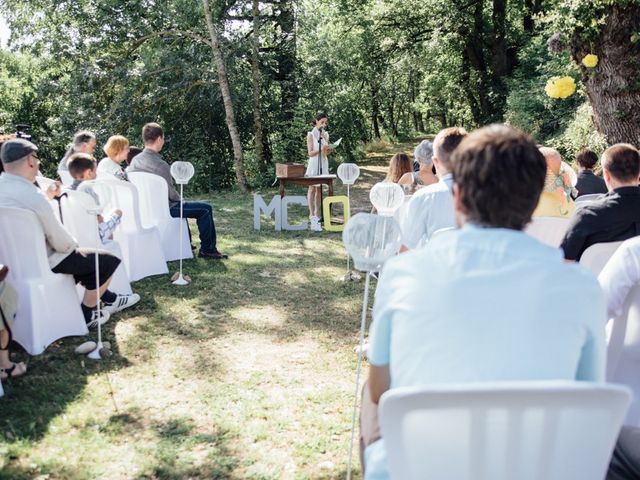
226 97
612 33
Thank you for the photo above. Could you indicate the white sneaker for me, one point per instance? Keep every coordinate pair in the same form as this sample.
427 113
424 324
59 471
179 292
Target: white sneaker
314 223
122 301
95 319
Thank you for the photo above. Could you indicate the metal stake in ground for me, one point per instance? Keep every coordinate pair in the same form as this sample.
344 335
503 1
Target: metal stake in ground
371 240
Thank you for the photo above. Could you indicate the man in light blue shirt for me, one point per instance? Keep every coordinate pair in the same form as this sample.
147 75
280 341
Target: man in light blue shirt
431 208
486 302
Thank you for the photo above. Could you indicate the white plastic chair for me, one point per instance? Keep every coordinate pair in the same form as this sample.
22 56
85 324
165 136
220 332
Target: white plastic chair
48 306
597 255
154 211
141 246
623 352
44 182
502 431
548 230
65 177
84 228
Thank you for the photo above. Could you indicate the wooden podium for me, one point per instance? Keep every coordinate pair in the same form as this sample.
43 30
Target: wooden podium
314 180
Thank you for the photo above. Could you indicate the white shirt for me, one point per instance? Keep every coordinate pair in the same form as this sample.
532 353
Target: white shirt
18 192
620 275
108 168
484 304
430 209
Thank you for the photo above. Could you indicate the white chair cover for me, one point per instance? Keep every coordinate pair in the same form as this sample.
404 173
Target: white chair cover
154 211
48 306
84 227
44 182
548 230
141 246
502 431
597 255
623 353
65 177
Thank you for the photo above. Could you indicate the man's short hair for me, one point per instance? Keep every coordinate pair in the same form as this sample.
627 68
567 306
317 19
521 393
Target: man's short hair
446 142
151 132
586 159
79 163
500 173
16 149
622 161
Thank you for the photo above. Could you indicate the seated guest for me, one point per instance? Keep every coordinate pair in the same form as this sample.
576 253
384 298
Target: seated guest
614 217
133 151
83 142
423 154
555 199
425 331
588 182
8 307
117 150
17 190
431 207
620 275
151 161
82 167
399 165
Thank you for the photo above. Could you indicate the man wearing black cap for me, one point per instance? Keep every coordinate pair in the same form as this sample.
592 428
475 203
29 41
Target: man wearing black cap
17 190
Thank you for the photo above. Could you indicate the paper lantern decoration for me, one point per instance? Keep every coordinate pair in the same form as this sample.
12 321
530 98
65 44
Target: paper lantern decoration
560 87
387 197
371 240
590 60
182 172
348 173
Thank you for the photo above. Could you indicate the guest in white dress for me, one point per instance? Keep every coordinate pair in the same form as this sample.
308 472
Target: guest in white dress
318 149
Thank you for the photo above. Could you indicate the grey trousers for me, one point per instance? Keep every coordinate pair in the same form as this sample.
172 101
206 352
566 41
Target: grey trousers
625 462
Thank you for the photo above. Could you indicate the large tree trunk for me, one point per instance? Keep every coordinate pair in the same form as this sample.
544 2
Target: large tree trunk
238 161
255 79
375 111
613 86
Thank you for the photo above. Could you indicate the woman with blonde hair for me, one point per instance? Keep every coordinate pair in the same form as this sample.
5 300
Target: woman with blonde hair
117 149
556 197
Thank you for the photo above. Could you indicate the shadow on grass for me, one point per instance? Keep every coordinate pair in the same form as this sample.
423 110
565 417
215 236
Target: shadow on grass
52 382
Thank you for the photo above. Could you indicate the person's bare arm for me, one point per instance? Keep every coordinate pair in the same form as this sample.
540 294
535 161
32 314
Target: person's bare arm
379 381
310 148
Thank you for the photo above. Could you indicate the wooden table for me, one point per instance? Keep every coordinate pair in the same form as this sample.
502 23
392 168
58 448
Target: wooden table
315 180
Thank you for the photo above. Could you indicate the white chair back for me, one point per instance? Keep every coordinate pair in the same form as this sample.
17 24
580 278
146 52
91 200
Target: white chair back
84 227
48 307
141 246
502 431
548 230
154 211
597 255
623 352
65 177
44 182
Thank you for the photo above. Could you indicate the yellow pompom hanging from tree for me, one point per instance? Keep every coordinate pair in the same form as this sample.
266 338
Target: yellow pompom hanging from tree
560 87
590 60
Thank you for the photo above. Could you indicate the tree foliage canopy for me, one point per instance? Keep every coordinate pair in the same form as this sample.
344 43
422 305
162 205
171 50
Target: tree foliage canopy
394 68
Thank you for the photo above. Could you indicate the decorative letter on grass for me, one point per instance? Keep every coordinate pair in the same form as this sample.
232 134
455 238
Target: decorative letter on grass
326 212
279 208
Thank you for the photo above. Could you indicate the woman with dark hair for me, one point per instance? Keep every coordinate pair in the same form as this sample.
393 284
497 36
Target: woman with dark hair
318 150
83 142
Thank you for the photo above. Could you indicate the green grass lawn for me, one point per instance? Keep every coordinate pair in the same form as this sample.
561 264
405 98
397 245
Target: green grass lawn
246 373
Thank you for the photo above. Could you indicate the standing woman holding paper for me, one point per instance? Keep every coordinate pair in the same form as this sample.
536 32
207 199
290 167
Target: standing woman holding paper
318 149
